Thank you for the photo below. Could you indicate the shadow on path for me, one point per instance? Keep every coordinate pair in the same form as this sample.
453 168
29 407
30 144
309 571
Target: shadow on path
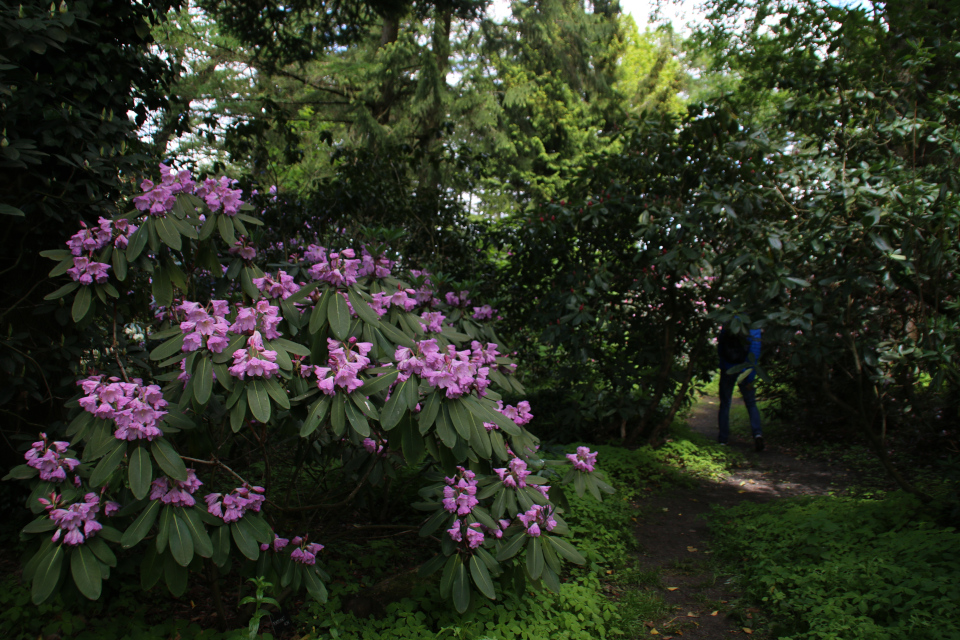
675 539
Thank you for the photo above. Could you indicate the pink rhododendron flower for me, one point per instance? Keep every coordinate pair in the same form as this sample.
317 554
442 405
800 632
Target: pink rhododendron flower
339 269
457 300
255 361
263 317
135 408
204 329
278 544
346 360
536 519
86 271
513 476
483 313
583 459
219 194
372 447
281 287
378 267
243 249
434 321
234 505
305 553
179 493
459 496
75 523
45 457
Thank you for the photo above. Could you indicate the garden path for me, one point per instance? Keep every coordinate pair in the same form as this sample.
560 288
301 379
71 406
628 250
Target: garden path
675 537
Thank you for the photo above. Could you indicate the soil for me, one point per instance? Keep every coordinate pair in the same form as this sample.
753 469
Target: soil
675 538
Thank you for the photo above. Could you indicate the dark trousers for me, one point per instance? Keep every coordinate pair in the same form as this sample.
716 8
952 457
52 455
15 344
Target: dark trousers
748 391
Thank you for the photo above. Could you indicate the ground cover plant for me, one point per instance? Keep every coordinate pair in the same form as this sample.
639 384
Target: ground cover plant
311 381
855 568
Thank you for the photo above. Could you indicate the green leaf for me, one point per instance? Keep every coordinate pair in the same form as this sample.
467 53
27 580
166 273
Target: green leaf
276 392
259 400
108 464
10 210
247 277
397 404
151 568
314 585
225 225
338 314
461 589
221 545
162 287
444 430
337 417
175 576
202 544
566 549
141 526
261 530
434 522
169 460
411 442
137 242
446 580
362 309
62 291
40 525
487 414
428 413
203 380
397 336
374 386
534 558
100 549
140 472
356 419
163 530
318 317
481 578
431 566
81 304
315 416
462 423
61 268
243 535
86 571
47 575
180 540
292 347
168 234
511 548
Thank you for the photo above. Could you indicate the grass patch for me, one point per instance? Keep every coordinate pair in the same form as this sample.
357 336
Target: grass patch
846 568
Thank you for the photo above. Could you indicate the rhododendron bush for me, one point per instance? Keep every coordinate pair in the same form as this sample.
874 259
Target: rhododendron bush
338 355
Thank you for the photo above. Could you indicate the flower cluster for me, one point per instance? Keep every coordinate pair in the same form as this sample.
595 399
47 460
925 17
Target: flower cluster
235 504
583 459
460 494
282 287
424 294
457 299
277 545
538 517
434 321
456 372
135 408
45 457
473 533
513 475
339 269
519 414
263 317
243 249
483 313
401 298
87 271
373 448
218 194
305 553
200 324
91 239
158 199
377 267
254 361
345 365
78 521
179 493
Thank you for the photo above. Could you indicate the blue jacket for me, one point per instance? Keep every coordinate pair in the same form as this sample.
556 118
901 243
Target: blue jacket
754 349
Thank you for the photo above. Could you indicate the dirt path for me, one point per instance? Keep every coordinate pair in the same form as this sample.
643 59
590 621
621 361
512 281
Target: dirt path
675 539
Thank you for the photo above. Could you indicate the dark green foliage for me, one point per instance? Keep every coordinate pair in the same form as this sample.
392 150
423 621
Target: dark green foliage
846 568
69 75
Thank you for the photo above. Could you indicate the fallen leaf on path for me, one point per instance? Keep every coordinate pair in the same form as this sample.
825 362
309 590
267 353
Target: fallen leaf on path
609 571
691 614
648 624
743 482
742 491
654 632
692 549
747 630
672 588
714 613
